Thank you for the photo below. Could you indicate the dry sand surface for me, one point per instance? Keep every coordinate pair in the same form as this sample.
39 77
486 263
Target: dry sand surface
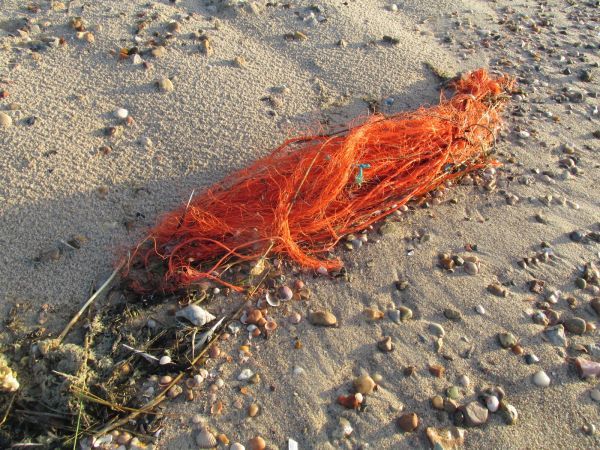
65 177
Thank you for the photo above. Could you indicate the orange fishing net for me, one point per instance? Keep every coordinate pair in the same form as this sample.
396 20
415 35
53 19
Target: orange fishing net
303 197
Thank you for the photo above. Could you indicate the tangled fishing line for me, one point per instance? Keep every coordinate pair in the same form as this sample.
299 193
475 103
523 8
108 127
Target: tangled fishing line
311 191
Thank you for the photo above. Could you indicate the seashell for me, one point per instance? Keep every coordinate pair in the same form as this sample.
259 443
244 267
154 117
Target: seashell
373 314
271 325
298 285
166 359
234 327
295 318
446 437
285 293
237 446
205 439
196 315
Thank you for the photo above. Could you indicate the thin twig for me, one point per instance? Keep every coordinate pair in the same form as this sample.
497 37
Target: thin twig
10 403
89 302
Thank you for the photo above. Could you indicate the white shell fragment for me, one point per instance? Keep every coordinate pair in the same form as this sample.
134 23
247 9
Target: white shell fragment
121 113
245 374
196 315
166 359
292 444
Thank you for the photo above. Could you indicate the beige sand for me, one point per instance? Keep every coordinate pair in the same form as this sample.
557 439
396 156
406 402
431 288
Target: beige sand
215 121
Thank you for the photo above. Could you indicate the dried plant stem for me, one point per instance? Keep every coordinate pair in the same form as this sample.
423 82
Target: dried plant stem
86 305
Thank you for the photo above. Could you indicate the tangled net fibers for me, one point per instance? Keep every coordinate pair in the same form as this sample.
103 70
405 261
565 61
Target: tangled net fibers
311 191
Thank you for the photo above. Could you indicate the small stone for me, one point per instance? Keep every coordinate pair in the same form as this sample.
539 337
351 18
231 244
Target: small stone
386 345
453 392
595 395
509 413
452 314
474 414
471 268
530 358
581 283
5 120
253 410
436 370
464 381
322 319
121 113
394 315
540 218
492 403
257 443
165 85
575 325
239 62
436 329
408 422
479 309
497 290
158 52
364 384
406 313
166 359
556 335
438 402
541 379
507 340
595 304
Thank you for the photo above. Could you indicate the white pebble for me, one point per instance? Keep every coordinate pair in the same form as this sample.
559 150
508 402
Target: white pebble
480 310
524 134
464 381
121 113
541 378
165 360
298 370
492 403
393 7
245 374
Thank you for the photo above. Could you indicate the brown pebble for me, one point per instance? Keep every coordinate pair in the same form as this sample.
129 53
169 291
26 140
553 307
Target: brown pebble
214 352
257 443
437 402
409 371
386 345
253 410
408 422
322 318
437 371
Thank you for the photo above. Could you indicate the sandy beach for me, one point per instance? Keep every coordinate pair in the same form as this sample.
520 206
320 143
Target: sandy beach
83 182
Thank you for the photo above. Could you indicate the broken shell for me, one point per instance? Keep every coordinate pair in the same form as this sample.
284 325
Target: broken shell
272 299
446 437
196 315
166 359
8 378
271 325
295 318
237 446
245 374
205 439
587 368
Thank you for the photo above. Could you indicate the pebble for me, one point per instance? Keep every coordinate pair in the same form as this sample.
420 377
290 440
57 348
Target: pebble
479 309
452 314
5 120
364 384
158 52
237 446
408 422
257 443
474 414
471 268
509 413
556 335
245 374
253 410
595 394
464 381
121 113
406 313
437 402
322 319
575 325
436 329
453 392
541 379
386 345
595 304
497 290
507 340
437 371
530 358
492 403
165 85
394 315
581 283
166 359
